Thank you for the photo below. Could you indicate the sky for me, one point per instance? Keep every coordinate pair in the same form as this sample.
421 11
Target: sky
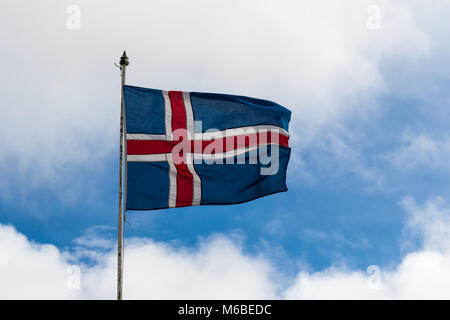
367 213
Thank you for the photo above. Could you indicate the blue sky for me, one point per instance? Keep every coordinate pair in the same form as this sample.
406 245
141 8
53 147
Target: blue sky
368 176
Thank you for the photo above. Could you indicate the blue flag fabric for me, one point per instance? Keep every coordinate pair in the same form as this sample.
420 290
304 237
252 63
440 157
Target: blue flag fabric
190 148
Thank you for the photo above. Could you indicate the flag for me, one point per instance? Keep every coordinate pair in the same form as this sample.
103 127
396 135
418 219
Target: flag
191 148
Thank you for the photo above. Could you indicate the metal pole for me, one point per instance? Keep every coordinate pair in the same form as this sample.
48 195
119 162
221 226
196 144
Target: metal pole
123 64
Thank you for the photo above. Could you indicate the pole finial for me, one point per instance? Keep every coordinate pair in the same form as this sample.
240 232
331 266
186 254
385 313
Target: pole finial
124 59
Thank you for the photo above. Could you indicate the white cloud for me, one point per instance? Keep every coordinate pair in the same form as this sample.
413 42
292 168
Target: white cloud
61 99
431 222
336 237
421 151
218 268
422 274
336 153
95 237
30 270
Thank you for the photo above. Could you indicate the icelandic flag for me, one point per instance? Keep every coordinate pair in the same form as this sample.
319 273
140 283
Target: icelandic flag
190 148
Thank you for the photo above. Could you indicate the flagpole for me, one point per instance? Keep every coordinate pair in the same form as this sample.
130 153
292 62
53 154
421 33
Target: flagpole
123 64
